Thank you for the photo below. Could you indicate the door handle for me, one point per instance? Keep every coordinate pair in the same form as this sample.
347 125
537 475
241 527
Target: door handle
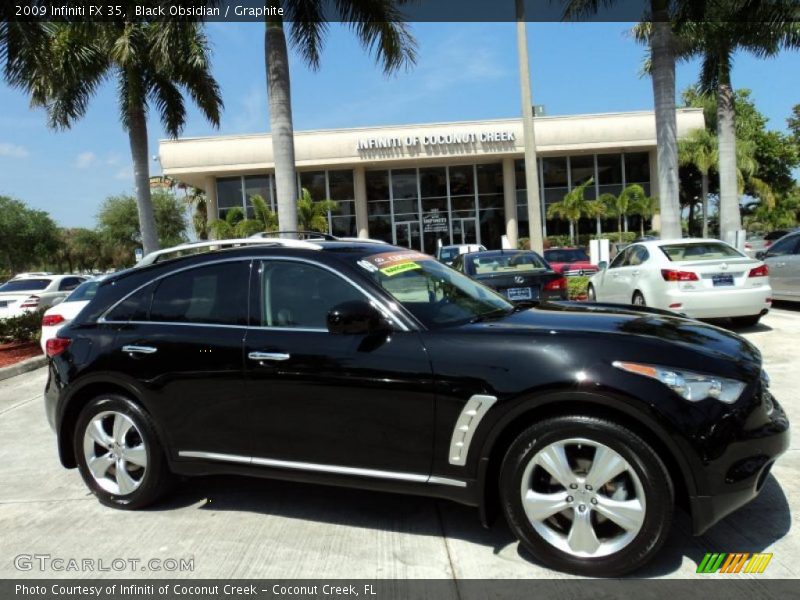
140 349
780 264
635 273
277 356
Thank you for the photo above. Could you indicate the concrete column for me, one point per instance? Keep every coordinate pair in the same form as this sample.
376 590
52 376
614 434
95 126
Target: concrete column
212 207
510 201
360 188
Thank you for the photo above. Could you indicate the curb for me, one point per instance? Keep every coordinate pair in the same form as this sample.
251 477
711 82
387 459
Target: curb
29 364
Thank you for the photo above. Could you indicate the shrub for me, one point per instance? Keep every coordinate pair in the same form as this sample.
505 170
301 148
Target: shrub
24 328
577 286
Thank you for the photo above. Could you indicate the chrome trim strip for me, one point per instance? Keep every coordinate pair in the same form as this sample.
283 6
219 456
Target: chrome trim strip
140 349
374 300
474 410
279 356
315 467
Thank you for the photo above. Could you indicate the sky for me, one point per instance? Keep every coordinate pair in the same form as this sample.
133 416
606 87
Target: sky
465 71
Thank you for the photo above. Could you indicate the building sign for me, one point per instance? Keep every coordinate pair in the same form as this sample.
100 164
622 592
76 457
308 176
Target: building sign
161 182
436 139
435 222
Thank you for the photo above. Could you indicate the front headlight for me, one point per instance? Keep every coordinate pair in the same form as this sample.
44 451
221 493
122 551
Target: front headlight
687 384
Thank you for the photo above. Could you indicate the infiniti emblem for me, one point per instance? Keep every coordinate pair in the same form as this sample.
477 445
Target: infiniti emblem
519 279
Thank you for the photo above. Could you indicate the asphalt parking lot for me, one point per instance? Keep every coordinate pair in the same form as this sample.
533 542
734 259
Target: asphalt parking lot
250 528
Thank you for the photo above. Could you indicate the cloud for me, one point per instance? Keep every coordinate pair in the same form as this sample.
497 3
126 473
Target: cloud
84 160
125 173
13 151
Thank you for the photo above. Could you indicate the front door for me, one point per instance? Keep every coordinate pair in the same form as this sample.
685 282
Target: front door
327 402
783 261
407 234
465 231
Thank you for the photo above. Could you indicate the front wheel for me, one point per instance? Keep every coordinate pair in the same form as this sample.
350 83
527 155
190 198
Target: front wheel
586 495
591 295
119 454
638 299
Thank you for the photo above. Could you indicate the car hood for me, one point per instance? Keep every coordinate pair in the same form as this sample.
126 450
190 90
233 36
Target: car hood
658 326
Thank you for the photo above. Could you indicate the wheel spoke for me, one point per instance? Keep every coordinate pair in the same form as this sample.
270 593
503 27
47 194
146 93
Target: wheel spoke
136 455
98 435
99 465
554 460
606 465
628 514
582 538
540 506
125 482
122 425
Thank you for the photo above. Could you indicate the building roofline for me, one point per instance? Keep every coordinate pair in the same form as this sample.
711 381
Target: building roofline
417 125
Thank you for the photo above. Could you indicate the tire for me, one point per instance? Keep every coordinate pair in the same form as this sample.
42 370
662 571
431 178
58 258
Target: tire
745 321
591 295
645 481
115 433
638 299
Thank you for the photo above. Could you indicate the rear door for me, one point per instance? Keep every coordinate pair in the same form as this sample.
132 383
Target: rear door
180 340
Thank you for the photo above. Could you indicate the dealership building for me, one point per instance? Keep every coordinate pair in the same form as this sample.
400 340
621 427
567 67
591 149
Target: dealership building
461 182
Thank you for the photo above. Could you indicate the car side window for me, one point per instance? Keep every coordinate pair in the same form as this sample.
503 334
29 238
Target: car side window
785 246
135 307
69 283
213 294
620 260
297 295
638 256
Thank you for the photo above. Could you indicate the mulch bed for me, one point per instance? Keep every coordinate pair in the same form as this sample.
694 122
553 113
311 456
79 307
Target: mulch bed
11 354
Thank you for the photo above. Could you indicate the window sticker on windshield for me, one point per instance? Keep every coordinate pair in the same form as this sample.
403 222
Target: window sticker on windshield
392 263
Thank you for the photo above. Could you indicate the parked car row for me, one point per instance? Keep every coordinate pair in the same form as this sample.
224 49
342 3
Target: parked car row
33 291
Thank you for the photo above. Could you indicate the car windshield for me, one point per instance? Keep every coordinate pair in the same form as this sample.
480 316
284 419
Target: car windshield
448 254
435 294
84 291
699 251
24 285
497 263
566 255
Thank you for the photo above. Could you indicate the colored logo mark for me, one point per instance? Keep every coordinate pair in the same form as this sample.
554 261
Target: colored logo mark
736 562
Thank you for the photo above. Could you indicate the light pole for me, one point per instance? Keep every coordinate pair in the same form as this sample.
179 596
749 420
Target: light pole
528 136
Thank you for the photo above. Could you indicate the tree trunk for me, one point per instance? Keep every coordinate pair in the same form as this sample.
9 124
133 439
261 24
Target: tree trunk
663 77
280 118
704 185
137 135
692 206
619 228
730 218
599 228
625 220
572 233
641 224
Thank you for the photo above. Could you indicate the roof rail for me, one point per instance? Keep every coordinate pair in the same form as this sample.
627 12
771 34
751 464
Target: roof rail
317 235
211 245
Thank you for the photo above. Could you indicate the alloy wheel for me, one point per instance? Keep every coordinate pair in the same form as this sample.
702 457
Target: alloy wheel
115 452
583 498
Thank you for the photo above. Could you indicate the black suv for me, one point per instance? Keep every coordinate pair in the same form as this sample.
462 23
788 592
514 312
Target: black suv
374 366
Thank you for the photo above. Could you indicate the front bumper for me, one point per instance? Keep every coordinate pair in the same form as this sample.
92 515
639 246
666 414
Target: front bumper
738 474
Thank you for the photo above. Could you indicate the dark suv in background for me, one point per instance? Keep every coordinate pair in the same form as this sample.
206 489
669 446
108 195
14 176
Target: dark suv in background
373 366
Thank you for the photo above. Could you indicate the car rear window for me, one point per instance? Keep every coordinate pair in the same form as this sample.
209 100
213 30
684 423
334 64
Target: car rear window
506 263
84 291
566 256
699 251
25 285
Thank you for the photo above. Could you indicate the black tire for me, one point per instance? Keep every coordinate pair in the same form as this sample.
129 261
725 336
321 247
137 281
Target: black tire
656 484
153 480
591 295
745 321
638 299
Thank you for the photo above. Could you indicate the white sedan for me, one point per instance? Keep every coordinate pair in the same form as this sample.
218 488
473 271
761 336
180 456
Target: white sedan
699 278
56 317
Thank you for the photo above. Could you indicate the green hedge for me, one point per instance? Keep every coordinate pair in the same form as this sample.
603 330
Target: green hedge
577 286
24 328
583 239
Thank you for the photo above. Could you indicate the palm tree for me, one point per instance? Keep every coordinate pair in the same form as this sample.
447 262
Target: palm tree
624 204
237 225
572 207
379 26
313 215
662 60
645 207
152 63
597 209
699 149
716 33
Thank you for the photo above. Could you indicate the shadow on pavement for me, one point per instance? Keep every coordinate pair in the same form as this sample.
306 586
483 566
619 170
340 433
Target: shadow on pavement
750 529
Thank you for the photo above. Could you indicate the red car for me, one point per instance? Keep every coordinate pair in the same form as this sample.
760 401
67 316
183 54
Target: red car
570 261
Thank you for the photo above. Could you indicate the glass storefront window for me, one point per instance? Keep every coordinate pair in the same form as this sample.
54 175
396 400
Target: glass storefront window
256 185
609 169
404 184
490 178
314 182
433 182
637 167
229 194
377 185
493 227
462 180
554 171
340 184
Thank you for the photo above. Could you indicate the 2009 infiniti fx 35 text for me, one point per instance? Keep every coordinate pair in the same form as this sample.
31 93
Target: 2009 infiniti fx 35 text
372 366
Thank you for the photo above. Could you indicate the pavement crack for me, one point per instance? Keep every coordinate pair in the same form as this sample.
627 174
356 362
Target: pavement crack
23 403
447 549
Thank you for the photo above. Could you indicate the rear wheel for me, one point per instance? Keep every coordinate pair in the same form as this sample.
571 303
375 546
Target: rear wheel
638 299
745 321
586 495
590 293
119 454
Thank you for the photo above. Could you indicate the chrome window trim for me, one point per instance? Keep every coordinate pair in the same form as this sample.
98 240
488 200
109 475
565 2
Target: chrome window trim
322 468
468 420
376 302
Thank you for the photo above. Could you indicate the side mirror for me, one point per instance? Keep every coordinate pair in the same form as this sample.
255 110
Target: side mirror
602 265
761 255
356 317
